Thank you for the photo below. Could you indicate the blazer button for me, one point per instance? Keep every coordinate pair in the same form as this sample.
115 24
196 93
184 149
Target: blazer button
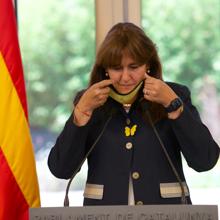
135 175
139 203
129 145
128 121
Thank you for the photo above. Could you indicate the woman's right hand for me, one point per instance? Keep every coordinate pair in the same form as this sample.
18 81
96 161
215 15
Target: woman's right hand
95 96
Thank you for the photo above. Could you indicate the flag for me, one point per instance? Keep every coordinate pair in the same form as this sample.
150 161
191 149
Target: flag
18 180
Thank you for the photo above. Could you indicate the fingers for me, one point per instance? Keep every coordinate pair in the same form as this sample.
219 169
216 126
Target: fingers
101 89
158 91
105 90
150 94
149 79
102 96
147 92
151 87
99 93
103 83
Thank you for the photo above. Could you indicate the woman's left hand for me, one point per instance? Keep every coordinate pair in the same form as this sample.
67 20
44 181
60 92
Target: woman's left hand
158 91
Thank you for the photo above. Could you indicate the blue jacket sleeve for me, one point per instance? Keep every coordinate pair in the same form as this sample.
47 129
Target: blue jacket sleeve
197 145
69 150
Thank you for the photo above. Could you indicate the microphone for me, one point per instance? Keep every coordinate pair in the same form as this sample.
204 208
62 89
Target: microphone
183 195
66 199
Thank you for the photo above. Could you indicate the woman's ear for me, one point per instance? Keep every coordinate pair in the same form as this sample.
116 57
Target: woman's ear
104 75
147 68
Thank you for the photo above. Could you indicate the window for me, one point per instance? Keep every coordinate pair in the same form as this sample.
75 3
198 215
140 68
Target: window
187 34
57 41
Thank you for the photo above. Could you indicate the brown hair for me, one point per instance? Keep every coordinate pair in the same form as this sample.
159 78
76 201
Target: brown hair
128 38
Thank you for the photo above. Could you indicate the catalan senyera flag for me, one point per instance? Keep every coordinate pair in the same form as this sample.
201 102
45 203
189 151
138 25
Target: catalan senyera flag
18 180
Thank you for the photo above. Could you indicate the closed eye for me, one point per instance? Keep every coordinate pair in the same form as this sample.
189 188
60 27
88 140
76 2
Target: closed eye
116 68
134 66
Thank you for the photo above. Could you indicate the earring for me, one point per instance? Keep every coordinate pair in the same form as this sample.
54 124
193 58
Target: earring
148 71
106 74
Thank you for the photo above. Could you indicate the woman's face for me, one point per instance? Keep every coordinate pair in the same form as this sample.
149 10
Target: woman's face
127 75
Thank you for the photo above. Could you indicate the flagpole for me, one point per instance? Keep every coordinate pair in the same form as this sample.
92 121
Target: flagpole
16 11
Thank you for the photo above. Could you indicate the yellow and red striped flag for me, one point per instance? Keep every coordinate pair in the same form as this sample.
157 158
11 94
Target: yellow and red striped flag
18 180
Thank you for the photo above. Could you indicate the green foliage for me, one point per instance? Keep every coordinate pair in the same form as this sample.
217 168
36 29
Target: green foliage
187 34
58 45
58 48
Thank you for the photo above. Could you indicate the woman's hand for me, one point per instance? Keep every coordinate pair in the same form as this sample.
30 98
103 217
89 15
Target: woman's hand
158 91
95 96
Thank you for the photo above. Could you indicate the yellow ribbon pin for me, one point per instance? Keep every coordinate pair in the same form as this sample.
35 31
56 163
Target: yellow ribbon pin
130 131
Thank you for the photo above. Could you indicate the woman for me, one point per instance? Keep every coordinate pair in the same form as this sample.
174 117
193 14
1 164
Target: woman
132 126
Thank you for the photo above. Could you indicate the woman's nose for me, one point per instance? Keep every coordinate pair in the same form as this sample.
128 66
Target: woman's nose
125 75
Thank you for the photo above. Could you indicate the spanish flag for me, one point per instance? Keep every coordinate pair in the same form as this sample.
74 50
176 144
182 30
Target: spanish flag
18 180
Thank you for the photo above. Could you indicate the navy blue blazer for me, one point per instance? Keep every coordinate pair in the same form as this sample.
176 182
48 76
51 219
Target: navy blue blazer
117 157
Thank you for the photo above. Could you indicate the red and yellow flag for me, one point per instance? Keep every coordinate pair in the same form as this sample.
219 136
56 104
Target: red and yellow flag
18 180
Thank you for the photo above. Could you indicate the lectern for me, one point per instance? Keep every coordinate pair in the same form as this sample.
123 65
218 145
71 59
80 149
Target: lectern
141 212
